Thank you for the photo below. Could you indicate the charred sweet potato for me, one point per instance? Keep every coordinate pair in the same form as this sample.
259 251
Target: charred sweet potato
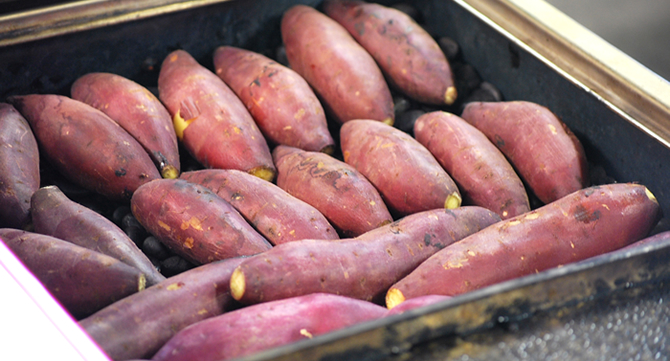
210 120
277 215
344 196
194 222
583 224
406 174
282 103
547 155
363 267
484 176
138 111
407 54
86 146
343 74
19 167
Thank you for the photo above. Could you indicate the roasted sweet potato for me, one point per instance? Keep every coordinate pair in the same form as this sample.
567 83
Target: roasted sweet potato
482 173
341 72
138 325
54 214
86 146
82 280
138 111
583 224
407 54
19 168
363 267
282 103
210 120
267 325
345 197
406 174
547 155
194 222
277 215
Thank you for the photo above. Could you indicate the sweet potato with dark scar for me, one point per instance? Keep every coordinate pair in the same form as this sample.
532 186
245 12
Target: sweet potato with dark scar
276 214
194 222
341 72
54 214
82 280
409 56
138 325
210 120
86 146
483 174
547 155
19 168
363 267
138 111
406 174
344 196
580 225
282 103
261 327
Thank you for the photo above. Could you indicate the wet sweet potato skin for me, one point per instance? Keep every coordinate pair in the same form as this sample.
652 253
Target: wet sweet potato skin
342 73
546 154
19 167
482 173
194 222
281 102
276 214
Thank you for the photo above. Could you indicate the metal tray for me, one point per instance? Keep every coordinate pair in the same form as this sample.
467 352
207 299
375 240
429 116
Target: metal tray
527 49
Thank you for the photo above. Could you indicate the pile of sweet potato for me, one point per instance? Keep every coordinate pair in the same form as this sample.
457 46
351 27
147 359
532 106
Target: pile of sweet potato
308 209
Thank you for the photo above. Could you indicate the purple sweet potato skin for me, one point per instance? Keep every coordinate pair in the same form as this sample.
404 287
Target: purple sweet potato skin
282 103
341 72
344 196
276 214
54 214
407 175
547 155
363 267
194 222
138 325
137 110
416 302
222 133
19 167
406 53
86 146
583 224
82 280
264 326
482 173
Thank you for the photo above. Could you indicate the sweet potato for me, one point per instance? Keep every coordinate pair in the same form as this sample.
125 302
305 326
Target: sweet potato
482 173
54 214
267 325
407 176
345 197
86 146
363 267
19 168
277 215
194 222
583 224
138 325
210 120
138 111
416 302
406 53
82 280
547 155
281 102
341 72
